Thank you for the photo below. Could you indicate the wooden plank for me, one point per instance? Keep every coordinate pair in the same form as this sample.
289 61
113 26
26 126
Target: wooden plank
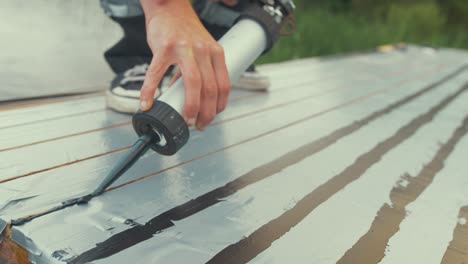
238 161
361 102
34 133
259 203
292 112
457 250
61 157
121 137
28 134
29 115
425 145
16 104
437 207
278 79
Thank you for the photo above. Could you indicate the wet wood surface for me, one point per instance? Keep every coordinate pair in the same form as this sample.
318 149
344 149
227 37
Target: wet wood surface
354 159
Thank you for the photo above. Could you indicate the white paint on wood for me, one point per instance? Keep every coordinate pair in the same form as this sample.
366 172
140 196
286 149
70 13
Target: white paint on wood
332 228
78 229
428 228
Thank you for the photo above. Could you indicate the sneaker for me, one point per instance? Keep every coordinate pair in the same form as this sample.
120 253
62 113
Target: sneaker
252 80
124 93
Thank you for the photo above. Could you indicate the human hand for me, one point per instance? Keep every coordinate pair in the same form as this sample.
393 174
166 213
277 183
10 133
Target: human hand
177 37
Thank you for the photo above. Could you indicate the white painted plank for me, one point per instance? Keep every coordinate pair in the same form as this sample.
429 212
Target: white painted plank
27 115
59 150
65 150
178 185
347 215
200 144
37 132
250 208
175 184
427 230
33 132
69 150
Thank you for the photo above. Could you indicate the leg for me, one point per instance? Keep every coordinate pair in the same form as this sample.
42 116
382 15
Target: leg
129 58
217 17
132 49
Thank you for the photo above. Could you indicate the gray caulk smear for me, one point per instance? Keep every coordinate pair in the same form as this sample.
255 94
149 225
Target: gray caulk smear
262 238
138 234
138 149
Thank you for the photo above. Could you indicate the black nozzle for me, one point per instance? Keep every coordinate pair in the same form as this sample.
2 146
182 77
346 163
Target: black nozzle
164 123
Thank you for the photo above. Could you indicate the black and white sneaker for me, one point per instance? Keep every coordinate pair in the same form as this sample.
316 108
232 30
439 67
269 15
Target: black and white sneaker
124 93
252 80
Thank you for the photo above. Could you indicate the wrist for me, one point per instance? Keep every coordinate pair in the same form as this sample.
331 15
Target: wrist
154 8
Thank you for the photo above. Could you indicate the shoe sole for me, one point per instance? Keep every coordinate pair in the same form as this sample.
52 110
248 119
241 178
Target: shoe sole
124 104
130 106
252 85
121 104
249 82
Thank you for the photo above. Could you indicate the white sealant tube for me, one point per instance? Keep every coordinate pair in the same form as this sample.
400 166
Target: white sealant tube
242 44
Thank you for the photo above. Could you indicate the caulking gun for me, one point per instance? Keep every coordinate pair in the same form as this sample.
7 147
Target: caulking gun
163 128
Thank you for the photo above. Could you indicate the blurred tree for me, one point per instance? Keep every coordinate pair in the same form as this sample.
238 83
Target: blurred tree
456 11
374 9
420 20
330 5
337 26
339 5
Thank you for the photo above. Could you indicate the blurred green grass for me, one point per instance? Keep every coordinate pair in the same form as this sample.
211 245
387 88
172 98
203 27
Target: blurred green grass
340 26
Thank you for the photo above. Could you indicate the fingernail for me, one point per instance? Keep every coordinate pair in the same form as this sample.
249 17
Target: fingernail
191 122
143 105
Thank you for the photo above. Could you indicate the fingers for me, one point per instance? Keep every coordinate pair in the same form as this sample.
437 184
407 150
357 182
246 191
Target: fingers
222 78
206 81
209 90
192 84
155 72
176 77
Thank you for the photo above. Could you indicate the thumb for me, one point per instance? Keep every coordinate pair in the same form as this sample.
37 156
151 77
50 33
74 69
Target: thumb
153 76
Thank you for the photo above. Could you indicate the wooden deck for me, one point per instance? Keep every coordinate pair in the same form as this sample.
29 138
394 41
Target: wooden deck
356 159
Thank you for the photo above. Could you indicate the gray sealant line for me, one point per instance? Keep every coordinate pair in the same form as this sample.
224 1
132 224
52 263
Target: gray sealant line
139 148
251 246
99 190
404 100
138 234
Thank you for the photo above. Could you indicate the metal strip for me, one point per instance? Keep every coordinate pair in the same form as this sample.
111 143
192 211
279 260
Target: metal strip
77 192
457 250
26 139
165 220
28 115
379 234
236 111
243 251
